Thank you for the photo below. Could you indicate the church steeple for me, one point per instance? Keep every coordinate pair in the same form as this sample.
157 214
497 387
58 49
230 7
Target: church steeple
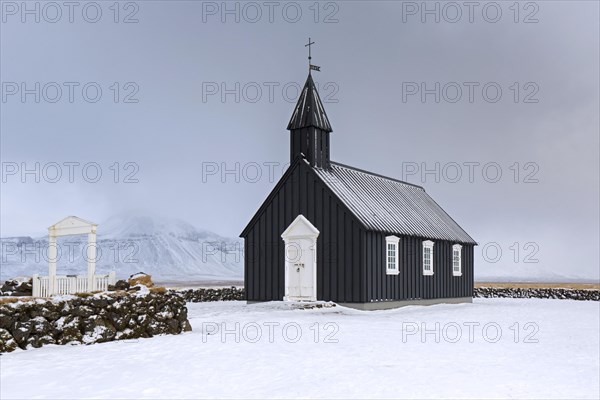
309 126
309 110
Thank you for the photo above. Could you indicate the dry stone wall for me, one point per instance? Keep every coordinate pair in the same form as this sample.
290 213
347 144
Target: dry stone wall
541 293
91 319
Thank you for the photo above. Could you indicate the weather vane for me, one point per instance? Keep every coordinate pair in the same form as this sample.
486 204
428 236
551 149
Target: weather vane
310 66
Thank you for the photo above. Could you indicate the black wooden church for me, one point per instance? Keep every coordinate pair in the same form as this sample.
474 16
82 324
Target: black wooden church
328 231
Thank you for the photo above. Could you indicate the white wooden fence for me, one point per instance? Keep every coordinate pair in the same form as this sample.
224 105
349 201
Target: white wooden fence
70 284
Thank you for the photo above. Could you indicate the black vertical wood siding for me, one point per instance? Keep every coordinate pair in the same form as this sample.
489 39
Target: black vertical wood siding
350 260
313 143
410 283
340 264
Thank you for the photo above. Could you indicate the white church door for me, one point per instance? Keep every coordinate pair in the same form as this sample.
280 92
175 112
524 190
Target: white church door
300 260
301 269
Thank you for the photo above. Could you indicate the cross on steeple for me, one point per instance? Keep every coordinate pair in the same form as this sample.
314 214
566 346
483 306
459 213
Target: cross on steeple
308 45
310 66
309 126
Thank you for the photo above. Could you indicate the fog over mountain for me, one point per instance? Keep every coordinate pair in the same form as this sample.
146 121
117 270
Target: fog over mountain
171 249
168 249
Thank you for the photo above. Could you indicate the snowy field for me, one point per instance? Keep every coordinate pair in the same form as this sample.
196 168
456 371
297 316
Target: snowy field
546 349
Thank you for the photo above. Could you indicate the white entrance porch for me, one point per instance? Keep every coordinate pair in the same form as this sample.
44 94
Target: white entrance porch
300 260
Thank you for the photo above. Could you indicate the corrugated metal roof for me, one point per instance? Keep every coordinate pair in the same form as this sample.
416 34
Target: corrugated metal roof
388 205
309 110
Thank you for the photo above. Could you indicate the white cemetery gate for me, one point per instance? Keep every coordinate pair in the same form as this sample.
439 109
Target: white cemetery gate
300 260
44 286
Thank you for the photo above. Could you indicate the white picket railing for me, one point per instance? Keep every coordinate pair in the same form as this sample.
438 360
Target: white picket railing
71 284
101 282
41 285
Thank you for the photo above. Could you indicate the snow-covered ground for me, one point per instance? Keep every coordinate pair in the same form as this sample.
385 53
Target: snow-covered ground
546 349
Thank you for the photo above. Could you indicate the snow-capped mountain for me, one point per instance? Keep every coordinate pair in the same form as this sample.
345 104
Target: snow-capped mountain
168 249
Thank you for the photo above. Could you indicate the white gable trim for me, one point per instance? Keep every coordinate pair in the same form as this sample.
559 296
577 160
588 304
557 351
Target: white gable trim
299 228
72 225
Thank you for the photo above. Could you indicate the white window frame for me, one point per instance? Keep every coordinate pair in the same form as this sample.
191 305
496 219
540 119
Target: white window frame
395 263
457 247
428 245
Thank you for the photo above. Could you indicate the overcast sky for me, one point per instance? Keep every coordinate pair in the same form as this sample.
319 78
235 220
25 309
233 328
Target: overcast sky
190 89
